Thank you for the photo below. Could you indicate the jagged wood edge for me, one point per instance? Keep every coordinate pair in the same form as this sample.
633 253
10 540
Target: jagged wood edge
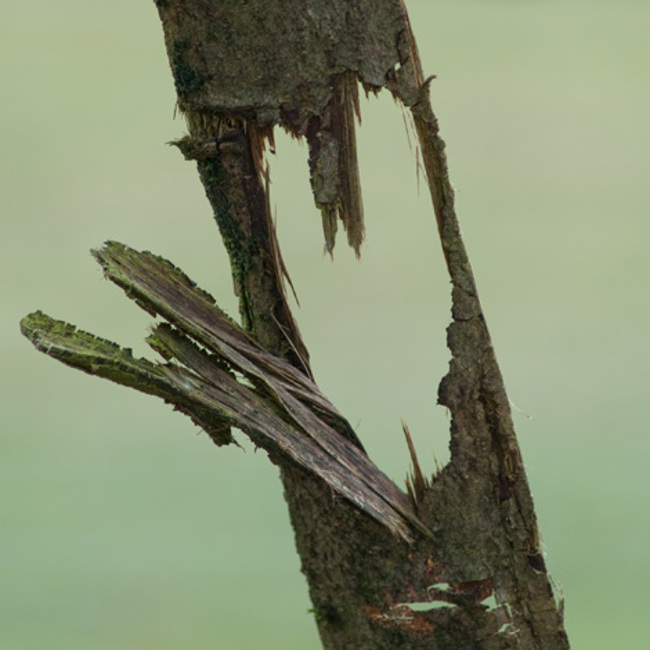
206 390
194 312
475 393
222 400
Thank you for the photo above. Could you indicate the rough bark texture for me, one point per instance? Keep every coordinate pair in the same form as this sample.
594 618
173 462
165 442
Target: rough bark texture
369 552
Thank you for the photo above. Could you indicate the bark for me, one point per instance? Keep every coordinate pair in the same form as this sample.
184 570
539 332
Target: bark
372 554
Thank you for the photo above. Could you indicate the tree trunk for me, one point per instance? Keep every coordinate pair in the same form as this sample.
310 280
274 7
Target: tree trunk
385 569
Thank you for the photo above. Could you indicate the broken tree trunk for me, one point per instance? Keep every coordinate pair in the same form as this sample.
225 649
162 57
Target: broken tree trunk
368 550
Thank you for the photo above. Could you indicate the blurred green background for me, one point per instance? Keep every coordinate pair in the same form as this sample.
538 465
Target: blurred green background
121 525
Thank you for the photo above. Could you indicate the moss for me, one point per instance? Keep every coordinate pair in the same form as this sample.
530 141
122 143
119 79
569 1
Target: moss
216 182
97 356
186 78
240 248
91 354
326 613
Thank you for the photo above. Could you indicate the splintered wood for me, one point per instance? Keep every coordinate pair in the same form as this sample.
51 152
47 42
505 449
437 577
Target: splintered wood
293 64
280 408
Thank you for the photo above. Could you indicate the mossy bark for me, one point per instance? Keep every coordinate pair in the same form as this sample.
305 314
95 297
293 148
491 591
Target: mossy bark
371 554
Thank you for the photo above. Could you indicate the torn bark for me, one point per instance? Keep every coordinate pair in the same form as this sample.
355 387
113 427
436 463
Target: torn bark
470 532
